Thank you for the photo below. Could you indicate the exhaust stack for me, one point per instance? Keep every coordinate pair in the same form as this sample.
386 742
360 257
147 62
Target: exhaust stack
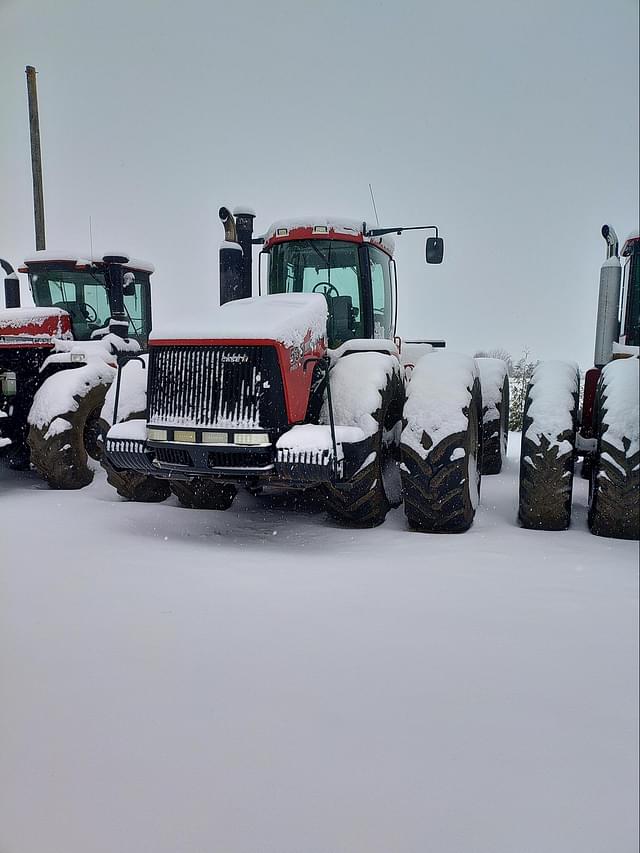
230 259
244 225
236 254
11 285
607 324
115 278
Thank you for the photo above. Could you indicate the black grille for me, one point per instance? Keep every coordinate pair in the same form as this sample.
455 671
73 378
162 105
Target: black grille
173 456
215 386
240 459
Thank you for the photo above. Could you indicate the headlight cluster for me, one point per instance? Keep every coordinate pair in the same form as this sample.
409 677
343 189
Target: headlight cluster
156 434
189 436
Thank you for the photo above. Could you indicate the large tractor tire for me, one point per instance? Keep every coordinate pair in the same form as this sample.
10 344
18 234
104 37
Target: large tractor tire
134 486
547 453
614 498
441 447
60 447
367 391
494 380
204 493
131 485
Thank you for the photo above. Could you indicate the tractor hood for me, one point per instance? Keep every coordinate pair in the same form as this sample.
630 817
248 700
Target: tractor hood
246 350
35 325
289 319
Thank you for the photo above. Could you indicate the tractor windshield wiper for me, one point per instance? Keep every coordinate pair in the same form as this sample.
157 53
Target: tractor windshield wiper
312 243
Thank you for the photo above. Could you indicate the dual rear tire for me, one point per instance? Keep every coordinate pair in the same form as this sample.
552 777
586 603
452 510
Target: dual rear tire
548 447
439 451
442 487
614 494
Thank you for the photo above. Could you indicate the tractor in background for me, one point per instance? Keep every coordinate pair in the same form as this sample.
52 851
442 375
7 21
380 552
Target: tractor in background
607 431
306 387
59 357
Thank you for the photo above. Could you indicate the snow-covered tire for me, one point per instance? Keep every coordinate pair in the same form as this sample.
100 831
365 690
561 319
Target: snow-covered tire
614 498
61 456
441 444
494 381
547 453
131 485
204 493
367 391
134 486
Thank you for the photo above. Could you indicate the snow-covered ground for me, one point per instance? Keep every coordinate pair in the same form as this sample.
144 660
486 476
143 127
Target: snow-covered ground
261 680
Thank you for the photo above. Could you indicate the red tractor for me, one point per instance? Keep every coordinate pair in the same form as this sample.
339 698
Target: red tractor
306 387
58 357
607 432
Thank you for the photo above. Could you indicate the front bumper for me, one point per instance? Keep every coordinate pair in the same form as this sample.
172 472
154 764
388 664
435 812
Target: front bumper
235 464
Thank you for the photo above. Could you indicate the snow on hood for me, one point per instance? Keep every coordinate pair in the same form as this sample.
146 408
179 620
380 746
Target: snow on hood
15 318
286 317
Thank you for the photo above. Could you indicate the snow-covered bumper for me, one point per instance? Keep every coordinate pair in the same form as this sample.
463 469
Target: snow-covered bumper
304 455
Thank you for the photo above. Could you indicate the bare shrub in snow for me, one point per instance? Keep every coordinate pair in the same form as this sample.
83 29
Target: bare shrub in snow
497 352
518 380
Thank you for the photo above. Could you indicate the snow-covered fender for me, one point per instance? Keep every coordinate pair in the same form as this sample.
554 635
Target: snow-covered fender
60 392
358 377
71 371
132 397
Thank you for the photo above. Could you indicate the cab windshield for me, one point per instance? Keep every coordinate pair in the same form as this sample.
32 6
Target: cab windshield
329 267
85 297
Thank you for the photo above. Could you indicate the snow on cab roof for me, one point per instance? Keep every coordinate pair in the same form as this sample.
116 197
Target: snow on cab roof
324 226
83 259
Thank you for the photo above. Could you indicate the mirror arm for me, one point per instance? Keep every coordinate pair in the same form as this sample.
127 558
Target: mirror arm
380 232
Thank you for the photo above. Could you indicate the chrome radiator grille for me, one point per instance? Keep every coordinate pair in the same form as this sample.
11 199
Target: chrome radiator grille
212 386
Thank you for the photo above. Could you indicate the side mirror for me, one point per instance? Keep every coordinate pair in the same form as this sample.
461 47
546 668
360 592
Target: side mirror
435 250
129 284
11 286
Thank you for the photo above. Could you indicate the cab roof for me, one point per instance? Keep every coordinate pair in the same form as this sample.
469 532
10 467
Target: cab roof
81 260
632 241
325 228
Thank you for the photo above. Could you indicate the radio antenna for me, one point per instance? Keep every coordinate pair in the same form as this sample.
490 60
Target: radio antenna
373 202
90 240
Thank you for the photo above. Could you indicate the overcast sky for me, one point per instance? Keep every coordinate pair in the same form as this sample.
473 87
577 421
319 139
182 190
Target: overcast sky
512 125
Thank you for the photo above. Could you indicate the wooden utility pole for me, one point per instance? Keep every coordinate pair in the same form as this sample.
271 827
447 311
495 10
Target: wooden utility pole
36 157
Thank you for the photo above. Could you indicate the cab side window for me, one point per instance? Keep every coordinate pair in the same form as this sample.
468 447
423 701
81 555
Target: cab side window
379 266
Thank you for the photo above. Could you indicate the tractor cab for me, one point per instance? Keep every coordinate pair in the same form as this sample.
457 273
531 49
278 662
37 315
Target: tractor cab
354 272
83 289
630 319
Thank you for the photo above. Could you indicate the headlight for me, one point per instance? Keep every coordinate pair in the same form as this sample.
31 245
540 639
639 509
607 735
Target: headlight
251 438
78 356
156 434
215 438
186 436
8 383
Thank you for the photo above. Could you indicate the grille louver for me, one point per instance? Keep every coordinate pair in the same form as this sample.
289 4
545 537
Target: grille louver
214 386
